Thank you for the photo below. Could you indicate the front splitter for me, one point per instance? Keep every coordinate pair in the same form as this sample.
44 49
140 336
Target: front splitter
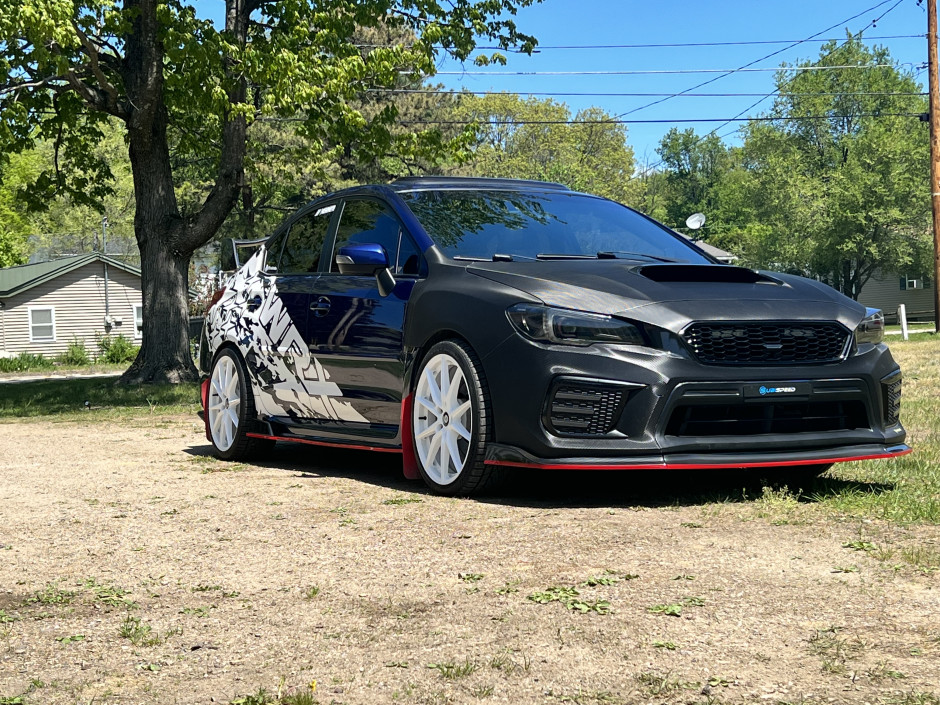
498 454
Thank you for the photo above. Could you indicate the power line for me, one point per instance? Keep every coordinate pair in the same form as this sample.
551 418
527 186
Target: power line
640 72
758 102
682 45
619 121
417 91
763 58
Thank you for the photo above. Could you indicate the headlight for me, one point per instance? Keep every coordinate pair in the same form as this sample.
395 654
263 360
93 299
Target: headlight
557 325
872 327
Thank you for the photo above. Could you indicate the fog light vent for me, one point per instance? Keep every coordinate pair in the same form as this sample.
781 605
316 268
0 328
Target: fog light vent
581 409
892 400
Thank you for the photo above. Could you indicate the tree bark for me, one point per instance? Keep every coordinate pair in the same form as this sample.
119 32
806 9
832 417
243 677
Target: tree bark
167 241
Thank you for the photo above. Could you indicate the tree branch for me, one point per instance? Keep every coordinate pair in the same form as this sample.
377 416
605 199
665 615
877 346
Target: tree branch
112 102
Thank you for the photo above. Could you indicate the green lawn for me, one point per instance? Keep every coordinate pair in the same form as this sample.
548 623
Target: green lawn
73 399
905 489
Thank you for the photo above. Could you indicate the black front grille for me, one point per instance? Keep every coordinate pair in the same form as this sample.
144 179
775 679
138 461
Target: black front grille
766 417
584 409
772 343
892 400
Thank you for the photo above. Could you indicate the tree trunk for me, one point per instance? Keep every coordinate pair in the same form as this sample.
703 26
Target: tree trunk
164 261
166 241
165 354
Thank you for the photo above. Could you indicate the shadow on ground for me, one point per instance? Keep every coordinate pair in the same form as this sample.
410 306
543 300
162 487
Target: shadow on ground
553 488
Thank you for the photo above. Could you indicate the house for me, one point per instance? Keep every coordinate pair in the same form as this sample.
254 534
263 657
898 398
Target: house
47 305
887 291
715 252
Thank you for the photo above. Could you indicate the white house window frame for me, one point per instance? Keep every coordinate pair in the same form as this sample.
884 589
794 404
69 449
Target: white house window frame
138 321
32 325
909 283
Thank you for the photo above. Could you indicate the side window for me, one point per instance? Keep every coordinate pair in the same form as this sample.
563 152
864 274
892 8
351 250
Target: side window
368 221
410 260
304 243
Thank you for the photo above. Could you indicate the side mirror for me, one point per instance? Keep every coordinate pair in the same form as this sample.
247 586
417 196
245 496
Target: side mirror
364 260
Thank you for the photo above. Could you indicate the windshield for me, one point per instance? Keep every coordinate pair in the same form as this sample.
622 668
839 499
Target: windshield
478 224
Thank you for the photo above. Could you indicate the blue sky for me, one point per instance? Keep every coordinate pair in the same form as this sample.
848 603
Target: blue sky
682 22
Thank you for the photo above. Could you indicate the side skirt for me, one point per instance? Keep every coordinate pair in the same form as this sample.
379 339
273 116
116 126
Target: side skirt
329 444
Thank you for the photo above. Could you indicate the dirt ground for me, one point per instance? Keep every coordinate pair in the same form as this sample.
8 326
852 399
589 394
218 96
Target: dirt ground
329 568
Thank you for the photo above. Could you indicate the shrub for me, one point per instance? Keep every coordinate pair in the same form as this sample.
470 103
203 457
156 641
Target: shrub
76 355
116 350
24 362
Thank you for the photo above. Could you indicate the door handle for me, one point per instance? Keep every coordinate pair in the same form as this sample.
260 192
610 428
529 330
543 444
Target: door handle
254 302
320 307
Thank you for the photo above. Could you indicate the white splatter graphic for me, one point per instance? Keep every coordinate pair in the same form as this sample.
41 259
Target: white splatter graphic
285 378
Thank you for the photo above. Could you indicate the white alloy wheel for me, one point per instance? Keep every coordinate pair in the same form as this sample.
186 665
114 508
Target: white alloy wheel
443 419
225 396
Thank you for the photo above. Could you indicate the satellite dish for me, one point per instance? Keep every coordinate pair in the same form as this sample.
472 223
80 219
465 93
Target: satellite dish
695 221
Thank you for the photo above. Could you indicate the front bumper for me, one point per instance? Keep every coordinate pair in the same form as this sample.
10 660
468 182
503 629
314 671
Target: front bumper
499 454
674 412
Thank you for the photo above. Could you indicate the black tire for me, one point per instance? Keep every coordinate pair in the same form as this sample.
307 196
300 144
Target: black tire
466 474
228 428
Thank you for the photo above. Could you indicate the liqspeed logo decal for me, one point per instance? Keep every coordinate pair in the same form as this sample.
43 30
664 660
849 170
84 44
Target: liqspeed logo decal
776 390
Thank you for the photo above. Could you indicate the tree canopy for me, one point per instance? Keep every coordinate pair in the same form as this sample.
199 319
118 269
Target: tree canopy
842 195
186 91
531 138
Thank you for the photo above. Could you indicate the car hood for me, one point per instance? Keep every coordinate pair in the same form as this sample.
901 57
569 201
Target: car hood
672 295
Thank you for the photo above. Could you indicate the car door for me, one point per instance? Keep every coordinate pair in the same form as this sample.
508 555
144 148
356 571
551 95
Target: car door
290 381
354 331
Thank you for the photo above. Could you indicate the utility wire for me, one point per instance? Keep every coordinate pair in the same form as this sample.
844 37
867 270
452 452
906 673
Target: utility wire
763 58
642 72
683 45
758 102
620 121
417 91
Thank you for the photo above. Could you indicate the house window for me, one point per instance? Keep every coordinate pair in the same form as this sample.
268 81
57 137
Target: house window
908 283
138 321
41 324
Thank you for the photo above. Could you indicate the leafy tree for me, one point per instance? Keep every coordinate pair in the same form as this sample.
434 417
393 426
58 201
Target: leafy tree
14 221
65 226
538 139
842 196
694 167
186 92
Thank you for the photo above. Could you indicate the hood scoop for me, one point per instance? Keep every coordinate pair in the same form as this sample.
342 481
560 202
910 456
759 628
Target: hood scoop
704 273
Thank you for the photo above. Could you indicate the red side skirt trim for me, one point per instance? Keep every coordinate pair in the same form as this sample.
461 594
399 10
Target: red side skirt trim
329 444
691 466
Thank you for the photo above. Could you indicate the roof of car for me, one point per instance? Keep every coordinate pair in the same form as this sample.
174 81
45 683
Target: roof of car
472 182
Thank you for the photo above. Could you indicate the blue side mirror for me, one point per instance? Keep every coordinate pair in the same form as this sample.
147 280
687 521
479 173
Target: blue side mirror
362 259
367 259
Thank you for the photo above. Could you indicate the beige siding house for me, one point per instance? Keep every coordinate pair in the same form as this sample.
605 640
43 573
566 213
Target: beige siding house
888 291
44 306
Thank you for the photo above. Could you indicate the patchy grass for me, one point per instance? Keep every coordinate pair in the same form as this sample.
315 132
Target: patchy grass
907 489
52 594
452 670
86 399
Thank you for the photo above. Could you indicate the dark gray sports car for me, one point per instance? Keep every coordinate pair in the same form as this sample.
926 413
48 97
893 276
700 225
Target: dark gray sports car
479 324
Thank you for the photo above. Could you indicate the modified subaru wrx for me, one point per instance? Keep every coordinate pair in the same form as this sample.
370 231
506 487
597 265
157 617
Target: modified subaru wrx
477 324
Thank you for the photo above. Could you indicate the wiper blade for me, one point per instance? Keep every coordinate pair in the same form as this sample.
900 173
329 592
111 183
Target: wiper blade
497 257
613 255
551 255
